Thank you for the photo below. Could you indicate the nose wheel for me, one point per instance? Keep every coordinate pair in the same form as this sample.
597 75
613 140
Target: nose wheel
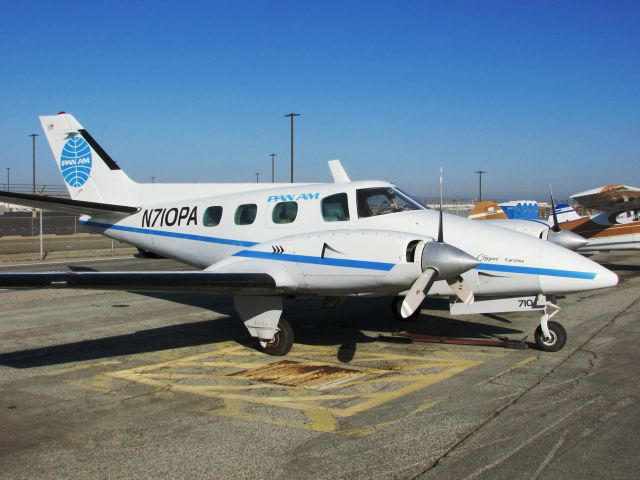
554 341
281 342
549 336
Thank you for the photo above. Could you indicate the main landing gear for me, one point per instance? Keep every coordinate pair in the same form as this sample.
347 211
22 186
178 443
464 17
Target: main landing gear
281 342
261 316
396 305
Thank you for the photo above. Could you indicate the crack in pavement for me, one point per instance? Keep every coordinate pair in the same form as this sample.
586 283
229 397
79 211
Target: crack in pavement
471 433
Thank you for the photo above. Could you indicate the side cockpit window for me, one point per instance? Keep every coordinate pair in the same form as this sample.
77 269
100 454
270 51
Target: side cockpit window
335 208
212 216
384 200
284 212
245 214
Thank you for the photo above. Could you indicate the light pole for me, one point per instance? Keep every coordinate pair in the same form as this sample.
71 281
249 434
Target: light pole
480 172
292 115
33 136
8 184
273 167
153 180
257 177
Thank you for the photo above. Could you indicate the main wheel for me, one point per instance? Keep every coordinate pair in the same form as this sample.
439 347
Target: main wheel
396 305
281 342
558 337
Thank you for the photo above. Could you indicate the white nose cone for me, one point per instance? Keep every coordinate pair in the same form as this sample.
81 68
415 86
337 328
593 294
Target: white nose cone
564 271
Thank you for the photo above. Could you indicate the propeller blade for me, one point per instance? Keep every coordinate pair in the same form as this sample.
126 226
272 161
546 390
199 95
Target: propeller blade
556 225
440 227
462 290
418 292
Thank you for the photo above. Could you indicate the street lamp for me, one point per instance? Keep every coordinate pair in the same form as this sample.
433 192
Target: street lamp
33 136
8 184
257 177
273 167
292 115
480 172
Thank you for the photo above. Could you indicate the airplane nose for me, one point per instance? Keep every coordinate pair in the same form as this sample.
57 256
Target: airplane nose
564 271
605 278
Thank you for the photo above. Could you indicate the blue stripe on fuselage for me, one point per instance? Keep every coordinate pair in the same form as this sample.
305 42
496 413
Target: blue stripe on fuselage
333 262
162 233
551 272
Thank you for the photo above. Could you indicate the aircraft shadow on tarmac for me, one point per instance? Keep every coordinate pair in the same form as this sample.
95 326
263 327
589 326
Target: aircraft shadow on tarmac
342 327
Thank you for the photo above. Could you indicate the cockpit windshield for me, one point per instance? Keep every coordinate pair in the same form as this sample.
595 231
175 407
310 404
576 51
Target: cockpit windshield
384 200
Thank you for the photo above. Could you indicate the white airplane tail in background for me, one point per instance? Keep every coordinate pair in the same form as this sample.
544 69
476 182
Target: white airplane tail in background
89 173
565 213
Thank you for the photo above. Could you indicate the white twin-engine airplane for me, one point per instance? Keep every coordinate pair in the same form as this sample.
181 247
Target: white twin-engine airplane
262 242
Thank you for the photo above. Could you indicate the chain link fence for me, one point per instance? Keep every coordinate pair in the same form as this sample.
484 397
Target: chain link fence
20 233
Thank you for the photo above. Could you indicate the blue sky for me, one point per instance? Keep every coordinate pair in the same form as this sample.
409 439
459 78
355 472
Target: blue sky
531 92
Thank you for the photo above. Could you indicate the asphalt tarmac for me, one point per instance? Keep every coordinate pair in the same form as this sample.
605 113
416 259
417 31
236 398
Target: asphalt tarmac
98 384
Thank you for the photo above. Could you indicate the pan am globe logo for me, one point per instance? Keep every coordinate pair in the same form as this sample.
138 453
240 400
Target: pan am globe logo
75 161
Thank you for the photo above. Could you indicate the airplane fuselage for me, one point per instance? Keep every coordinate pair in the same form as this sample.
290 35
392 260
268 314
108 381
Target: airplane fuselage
339 249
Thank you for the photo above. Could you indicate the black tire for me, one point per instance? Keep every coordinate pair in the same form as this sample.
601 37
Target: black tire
147 253
557 341
396 303
282 340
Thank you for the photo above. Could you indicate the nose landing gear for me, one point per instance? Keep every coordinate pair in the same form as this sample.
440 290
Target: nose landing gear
550 336
554 340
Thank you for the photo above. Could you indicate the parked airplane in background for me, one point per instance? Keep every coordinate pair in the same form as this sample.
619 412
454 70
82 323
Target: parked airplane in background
261 242
550 231
617 227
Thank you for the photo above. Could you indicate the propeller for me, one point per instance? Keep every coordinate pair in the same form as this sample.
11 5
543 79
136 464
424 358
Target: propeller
556 225
440 261
564 238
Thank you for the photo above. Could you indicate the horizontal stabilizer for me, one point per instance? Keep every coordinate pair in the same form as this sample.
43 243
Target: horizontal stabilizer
180 282
612 198
55 204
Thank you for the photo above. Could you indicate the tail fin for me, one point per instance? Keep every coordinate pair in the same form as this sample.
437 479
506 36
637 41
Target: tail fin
88 171
487 211
565 213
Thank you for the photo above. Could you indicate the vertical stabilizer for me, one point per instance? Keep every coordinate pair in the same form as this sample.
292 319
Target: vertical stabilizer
89 173
337 172
487 211
565 213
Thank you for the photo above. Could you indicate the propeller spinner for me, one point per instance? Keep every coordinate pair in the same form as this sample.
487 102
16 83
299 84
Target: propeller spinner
564 238
440 261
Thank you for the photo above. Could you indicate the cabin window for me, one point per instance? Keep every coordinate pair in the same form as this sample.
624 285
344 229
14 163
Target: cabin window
285 212
212 216
335 208
245 214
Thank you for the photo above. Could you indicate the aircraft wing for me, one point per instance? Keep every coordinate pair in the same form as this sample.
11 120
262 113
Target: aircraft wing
76 207
179 282
612 198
